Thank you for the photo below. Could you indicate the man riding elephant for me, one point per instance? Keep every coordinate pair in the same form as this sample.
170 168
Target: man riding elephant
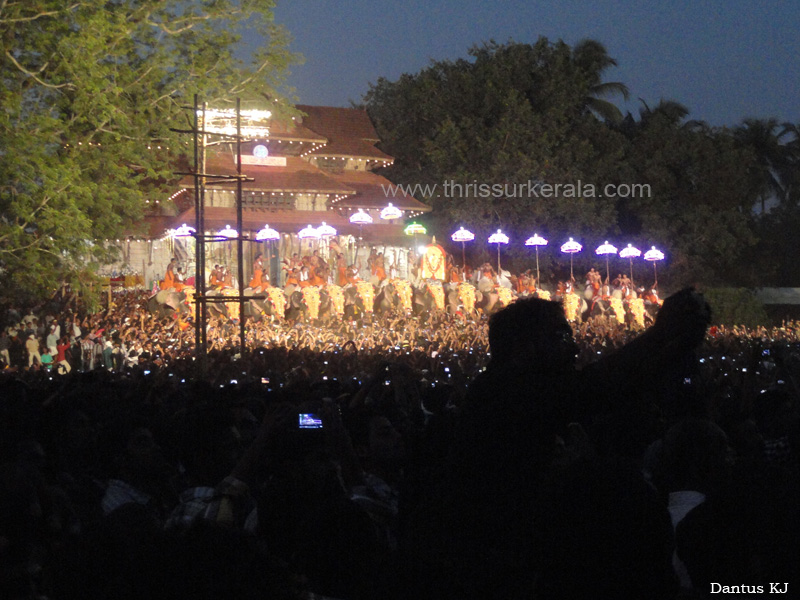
171 278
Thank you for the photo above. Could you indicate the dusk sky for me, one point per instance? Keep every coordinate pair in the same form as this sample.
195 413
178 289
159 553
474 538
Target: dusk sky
724 60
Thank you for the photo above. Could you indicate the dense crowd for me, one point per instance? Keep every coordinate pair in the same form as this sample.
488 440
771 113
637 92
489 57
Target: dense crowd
666 461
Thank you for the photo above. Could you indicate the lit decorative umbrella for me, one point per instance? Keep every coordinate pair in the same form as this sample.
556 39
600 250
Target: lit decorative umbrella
391 212
183 231
654 256
360 218
325 230
536 241
571 247
268 234
414 229
308 233
630 253
228 232
498 238
463 236
605 249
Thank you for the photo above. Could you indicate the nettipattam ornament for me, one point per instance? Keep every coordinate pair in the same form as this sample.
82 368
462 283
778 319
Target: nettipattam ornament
437 291
619 311
337 299
233 307
367 293
636 306
572 303
312 301
505 295
277 298
466 295
405 293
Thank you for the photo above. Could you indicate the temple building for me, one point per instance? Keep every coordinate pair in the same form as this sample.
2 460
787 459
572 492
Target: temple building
318 169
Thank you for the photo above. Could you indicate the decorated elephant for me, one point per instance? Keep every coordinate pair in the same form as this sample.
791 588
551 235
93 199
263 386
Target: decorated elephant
429 297
219 309
166 303
505 296
273 306
359 300
652 302
575 307
462 299
337 301
636 312
310 303
396 296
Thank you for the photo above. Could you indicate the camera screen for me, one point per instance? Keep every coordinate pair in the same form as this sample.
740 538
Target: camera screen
309 421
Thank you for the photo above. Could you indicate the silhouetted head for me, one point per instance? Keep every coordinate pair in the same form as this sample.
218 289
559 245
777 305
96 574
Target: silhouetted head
533 333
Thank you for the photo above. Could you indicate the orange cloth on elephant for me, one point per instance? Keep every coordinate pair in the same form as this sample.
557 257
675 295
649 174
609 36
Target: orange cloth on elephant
292 280
315 279
341 276
256 280
455 275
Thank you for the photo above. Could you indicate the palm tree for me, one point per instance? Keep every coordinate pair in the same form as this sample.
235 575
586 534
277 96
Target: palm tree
674 112
592 59
773 157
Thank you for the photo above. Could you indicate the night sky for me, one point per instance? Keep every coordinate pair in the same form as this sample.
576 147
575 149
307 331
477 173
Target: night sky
724 60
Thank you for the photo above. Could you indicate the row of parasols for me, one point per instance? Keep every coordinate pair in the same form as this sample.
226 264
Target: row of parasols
462 236
570 247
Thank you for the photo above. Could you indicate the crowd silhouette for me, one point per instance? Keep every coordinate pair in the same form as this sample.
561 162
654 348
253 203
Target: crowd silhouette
525 457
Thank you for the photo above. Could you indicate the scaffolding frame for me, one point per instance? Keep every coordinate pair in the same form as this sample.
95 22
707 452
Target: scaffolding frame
198 172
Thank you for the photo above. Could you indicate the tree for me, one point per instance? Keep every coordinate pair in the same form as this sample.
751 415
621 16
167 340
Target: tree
90 90
699 206
774 158
511 118
517 113
592 59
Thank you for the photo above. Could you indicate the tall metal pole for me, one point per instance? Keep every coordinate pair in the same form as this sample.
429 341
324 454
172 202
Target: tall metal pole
199 278
239 241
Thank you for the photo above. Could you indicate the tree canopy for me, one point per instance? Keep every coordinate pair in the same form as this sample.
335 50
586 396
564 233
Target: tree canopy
515 113
90 90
